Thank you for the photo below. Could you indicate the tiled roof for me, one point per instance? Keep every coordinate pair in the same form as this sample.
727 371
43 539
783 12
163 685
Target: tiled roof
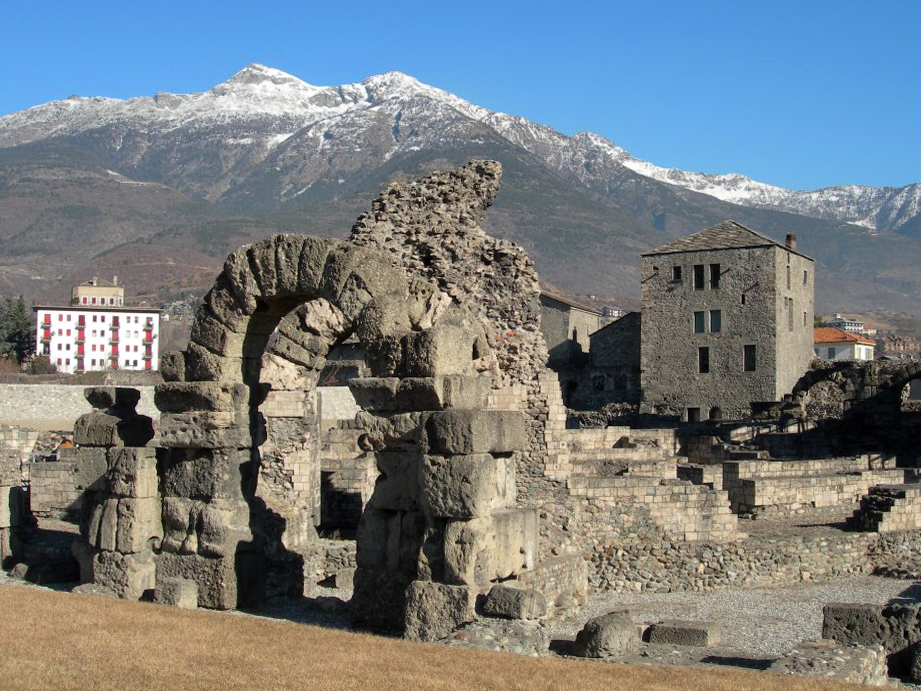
559 297
829 334
722 236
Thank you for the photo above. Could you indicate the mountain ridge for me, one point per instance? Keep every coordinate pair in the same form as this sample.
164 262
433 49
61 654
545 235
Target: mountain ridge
265 151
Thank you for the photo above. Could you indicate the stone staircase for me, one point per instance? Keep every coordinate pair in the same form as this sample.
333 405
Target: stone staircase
887 508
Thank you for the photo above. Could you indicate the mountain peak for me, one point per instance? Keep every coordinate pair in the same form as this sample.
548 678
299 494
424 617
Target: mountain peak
256 73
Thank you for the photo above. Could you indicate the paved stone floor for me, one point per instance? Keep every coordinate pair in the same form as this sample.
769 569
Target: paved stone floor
759 622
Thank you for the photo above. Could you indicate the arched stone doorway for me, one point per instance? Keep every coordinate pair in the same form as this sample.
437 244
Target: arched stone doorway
296 296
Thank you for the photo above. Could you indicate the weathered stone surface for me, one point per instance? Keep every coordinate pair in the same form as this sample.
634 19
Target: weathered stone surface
379 599
609 635
345 579
132 472
484 549
466 486
208 430
514 603
172 366
218 528
454 432
389 540
178 592
392 394
113 398
126 525
434 610
397 487
203 365
854 623
696 633
130 576
103 429
914 663
208 474
183 397
445 349
89 469
353 276
223 582
12 506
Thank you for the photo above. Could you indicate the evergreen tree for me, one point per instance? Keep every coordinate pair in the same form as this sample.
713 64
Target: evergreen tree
16 328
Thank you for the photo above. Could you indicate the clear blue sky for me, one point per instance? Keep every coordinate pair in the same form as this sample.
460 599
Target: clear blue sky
802 94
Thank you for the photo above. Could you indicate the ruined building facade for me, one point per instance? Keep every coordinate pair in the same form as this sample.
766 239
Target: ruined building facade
727 321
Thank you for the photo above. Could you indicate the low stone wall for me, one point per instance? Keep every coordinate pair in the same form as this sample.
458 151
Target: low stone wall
16 443
645 563
52 492
852 664
55 406
562 580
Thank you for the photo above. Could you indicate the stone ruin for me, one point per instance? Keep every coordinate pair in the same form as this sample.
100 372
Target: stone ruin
223 497
479 499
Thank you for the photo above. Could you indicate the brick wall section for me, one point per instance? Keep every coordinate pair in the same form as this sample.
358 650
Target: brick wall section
348 476
58 404
16 443
51 491
559 579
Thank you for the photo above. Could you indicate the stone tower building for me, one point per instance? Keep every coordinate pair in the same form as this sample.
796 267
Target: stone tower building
727 321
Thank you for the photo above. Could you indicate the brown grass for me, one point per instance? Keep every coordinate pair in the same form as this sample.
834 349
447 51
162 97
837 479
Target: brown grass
52 640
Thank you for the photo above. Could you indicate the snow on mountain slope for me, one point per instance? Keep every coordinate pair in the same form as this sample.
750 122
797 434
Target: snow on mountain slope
260 112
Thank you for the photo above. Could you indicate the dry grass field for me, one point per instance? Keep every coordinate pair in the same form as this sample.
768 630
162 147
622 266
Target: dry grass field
54 640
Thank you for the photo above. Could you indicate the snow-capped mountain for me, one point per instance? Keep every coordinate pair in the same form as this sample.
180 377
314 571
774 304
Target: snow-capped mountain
262 113
159 188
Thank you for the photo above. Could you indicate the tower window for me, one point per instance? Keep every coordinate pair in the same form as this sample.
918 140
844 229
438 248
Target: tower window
703 360
698 277
714 276
676 273
749 359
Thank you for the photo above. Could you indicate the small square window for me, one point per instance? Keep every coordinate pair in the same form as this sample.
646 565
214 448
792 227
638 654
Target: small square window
693 414
703 360
676 273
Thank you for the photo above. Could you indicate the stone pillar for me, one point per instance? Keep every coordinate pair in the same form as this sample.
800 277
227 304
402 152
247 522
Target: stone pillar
212 521
121 526
441 525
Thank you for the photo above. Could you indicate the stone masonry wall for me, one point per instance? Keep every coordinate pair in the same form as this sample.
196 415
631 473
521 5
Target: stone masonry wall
52 491
55 404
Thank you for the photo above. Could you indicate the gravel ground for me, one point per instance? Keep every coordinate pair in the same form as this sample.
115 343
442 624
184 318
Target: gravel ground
764 621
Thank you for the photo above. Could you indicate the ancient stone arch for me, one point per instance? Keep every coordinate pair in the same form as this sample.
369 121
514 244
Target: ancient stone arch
442 523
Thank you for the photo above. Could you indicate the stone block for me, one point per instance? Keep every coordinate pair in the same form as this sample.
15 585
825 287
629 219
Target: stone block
392 394
172 366
434 610
610 635
12 506
178 592
514 603
103 429
445 349
130 576
132 472
183 397
223 526
397 487
203 365
456 432
485 549
345 579
208 474
389 540
353 276
854 623
696 633
379 599
223 582
139 525
466 486
89 469
113 398
208 430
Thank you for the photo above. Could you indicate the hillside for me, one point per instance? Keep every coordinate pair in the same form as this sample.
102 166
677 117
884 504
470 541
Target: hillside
159 189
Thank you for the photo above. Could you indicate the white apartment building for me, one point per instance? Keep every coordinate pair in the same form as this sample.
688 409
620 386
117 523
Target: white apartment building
86 337
853 326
